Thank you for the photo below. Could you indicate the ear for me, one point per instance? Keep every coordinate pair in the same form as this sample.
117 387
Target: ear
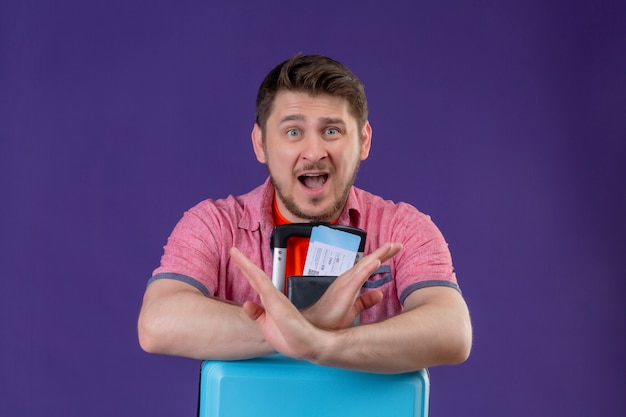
257 144
366 140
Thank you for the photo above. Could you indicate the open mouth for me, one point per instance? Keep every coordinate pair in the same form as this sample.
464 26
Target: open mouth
313 181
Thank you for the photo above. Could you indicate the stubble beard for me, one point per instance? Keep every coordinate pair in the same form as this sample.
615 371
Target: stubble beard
331 214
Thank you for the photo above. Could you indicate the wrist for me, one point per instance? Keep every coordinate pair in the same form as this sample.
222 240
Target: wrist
330 348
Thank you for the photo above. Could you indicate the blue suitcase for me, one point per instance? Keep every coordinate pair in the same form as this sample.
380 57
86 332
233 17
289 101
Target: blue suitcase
277 386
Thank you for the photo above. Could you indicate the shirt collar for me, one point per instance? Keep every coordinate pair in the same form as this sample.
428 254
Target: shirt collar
257 208
351 214
257 213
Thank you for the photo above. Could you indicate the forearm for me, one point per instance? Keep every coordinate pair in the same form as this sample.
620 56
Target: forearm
434 334
186 323
433 329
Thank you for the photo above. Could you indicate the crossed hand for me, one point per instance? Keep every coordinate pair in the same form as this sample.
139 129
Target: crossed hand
303 334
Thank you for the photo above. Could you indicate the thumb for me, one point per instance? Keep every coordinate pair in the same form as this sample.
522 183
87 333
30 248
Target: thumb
368 300
253 310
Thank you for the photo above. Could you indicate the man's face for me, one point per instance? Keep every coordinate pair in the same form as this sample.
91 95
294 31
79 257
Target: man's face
312 149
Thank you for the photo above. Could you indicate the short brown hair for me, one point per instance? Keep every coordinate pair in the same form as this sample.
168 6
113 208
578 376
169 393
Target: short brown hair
314 75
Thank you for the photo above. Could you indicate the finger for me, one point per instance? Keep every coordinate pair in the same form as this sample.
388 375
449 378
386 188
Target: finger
387 251
271 298
352 280
362 271
369 264
255 275
245 265
253 310
368 299
376 258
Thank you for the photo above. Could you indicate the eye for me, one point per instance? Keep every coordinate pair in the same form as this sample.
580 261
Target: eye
293 133
331 131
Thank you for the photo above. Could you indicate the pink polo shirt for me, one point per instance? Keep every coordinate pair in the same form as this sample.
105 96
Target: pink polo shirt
197 250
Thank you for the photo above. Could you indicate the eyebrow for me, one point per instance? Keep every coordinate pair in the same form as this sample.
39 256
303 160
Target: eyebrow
332 121
323 120
291 117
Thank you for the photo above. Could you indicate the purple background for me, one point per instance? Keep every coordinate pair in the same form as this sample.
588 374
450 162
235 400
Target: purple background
503 120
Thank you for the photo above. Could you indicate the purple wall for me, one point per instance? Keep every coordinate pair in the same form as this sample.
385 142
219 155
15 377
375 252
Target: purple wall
503 120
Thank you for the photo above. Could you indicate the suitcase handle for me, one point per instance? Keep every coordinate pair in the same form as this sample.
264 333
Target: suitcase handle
282 233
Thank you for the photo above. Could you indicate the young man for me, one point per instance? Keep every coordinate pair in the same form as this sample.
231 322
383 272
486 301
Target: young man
211 297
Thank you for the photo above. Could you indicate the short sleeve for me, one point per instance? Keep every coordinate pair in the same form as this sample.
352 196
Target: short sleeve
425 260
192 253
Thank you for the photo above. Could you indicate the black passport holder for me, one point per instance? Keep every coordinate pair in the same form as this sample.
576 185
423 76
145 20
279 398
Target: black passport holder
304 291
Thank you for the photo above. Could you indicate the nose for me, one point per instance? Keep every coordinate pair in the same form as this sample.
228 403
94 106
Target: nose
314 149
